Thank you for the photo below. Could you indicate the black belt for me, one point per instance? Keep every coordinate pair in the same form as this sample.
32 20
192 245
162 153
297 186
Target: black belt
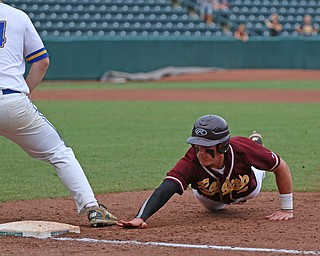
8 91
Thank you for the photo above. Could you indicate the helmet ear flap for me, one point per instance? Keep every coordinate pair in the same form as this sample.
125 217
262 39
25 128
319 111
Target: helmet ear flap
223 147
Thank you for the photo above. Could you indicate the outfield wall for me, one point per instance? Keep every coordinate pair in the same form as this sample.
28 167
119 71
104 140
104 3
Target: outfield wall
88 58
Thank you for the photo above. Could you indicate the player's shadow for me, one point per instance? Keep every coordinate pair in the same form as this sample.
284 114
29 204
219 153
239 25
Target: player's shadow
234 212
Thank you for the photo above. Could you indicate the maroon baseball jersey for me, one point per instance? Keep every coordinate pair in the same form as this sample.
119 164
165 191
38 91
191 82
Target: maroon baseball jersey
238 179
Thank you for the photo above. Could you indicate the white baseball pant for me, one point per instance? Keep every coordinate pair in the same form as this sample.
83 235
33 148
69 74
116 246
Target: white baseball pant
22 123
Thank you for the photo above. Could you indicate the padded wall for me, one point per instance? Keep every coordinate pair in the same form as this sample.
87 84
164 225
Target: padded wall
82 59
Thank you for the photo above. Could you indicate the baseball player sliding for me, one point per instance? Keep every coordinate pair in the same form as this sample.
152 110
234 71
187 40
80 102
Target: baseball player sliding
221 171
20 120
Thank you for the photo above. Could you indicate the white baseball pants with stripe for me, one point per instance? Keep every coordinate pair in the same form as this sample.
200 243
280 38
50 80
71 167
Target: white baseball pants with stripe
22 123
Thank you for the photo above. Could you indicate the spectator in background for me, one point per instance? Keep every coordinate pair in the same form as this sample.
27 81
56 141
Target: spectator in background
307 28
274 25
241 33
224 4
191 5
175 3
206 10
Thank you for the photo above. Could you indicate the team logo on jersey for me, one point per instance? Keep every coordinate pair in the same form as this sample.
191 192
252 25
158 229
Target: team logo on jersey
239 185
200 132
208 189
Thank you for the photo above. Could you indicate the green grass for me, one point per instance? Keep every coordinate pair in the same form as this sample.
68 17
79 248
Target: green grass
127 146
294 85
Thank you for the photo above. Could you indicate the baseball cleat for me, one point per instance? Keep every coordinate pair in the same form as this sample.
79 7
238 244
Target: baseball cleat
256 137
98 216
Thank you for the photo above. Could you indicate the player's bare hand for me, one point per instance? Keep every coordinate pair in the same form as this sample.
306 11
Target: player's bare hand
135 223
281 215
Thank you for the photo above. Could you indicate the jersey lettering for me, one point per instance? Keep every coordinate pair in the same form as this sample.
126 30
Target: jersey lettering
239 185
2 33
208 189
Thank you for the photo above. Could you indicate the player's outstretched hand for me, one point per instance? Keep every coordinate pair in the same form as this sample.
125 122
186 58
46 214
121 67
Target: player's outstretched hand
135 223
281 215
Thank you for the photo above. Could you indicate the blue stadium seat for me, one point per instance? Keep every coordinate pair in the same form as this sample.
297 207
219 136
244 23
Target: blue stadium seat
158 18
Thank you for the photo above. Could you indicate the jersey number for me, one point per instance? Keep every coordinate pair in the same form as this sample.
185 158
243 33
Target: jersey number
2 33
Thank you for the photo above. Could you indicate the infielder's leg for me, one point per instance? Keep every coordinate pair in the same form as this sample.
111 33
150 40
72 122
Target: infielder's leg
34 134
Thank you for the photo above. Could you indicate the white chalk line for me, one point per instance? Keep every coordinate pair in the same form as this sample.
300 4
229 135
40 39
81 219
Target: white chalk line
194 246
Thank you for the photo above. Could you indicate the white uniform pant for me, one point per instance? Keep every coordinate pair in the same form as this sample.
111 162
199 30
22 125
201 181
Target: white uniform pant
215 206
22 123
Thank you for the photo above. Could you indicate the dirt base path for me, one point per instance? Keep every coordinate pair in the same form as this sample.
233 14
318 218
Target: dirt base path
182 221
202 94
182 95
251 75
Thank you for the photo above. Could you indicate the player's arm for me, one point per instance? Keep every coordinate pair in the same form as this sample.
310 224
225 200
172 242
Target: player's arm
158 199
36 73
268 23
284 184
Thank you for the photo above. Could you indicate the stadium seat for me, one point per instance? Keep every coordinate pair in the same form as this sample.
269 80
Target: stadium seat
158 17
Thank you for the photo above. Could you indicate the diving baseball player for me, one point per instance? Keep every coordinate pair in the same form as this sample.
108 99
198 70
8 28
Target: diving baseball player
21 121
221 170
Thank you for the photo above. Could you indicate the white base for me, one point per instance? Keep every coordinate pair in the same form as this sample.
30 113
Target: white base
37 229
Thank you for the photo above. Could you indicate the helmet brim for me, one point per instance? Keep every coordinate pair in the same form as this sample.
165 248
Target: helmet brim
202 142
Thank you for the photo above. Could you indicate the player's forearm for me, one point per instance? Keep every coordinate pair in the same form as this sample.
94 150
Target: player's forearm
158 199
283 178
150 206
284 184
36 73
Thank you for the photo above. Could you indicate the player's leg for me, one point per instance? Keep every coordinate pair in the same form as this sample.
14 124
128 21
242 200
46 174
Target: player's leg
209 14
34 134
207 203
203 12
37 136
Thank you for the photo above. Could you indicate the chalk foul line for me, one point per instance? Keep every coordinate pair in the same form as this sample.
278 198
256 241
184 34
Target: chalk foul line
194 246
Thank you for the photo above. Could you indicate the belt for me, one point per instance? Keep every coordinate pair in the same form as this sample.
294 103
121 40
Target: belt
8 91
